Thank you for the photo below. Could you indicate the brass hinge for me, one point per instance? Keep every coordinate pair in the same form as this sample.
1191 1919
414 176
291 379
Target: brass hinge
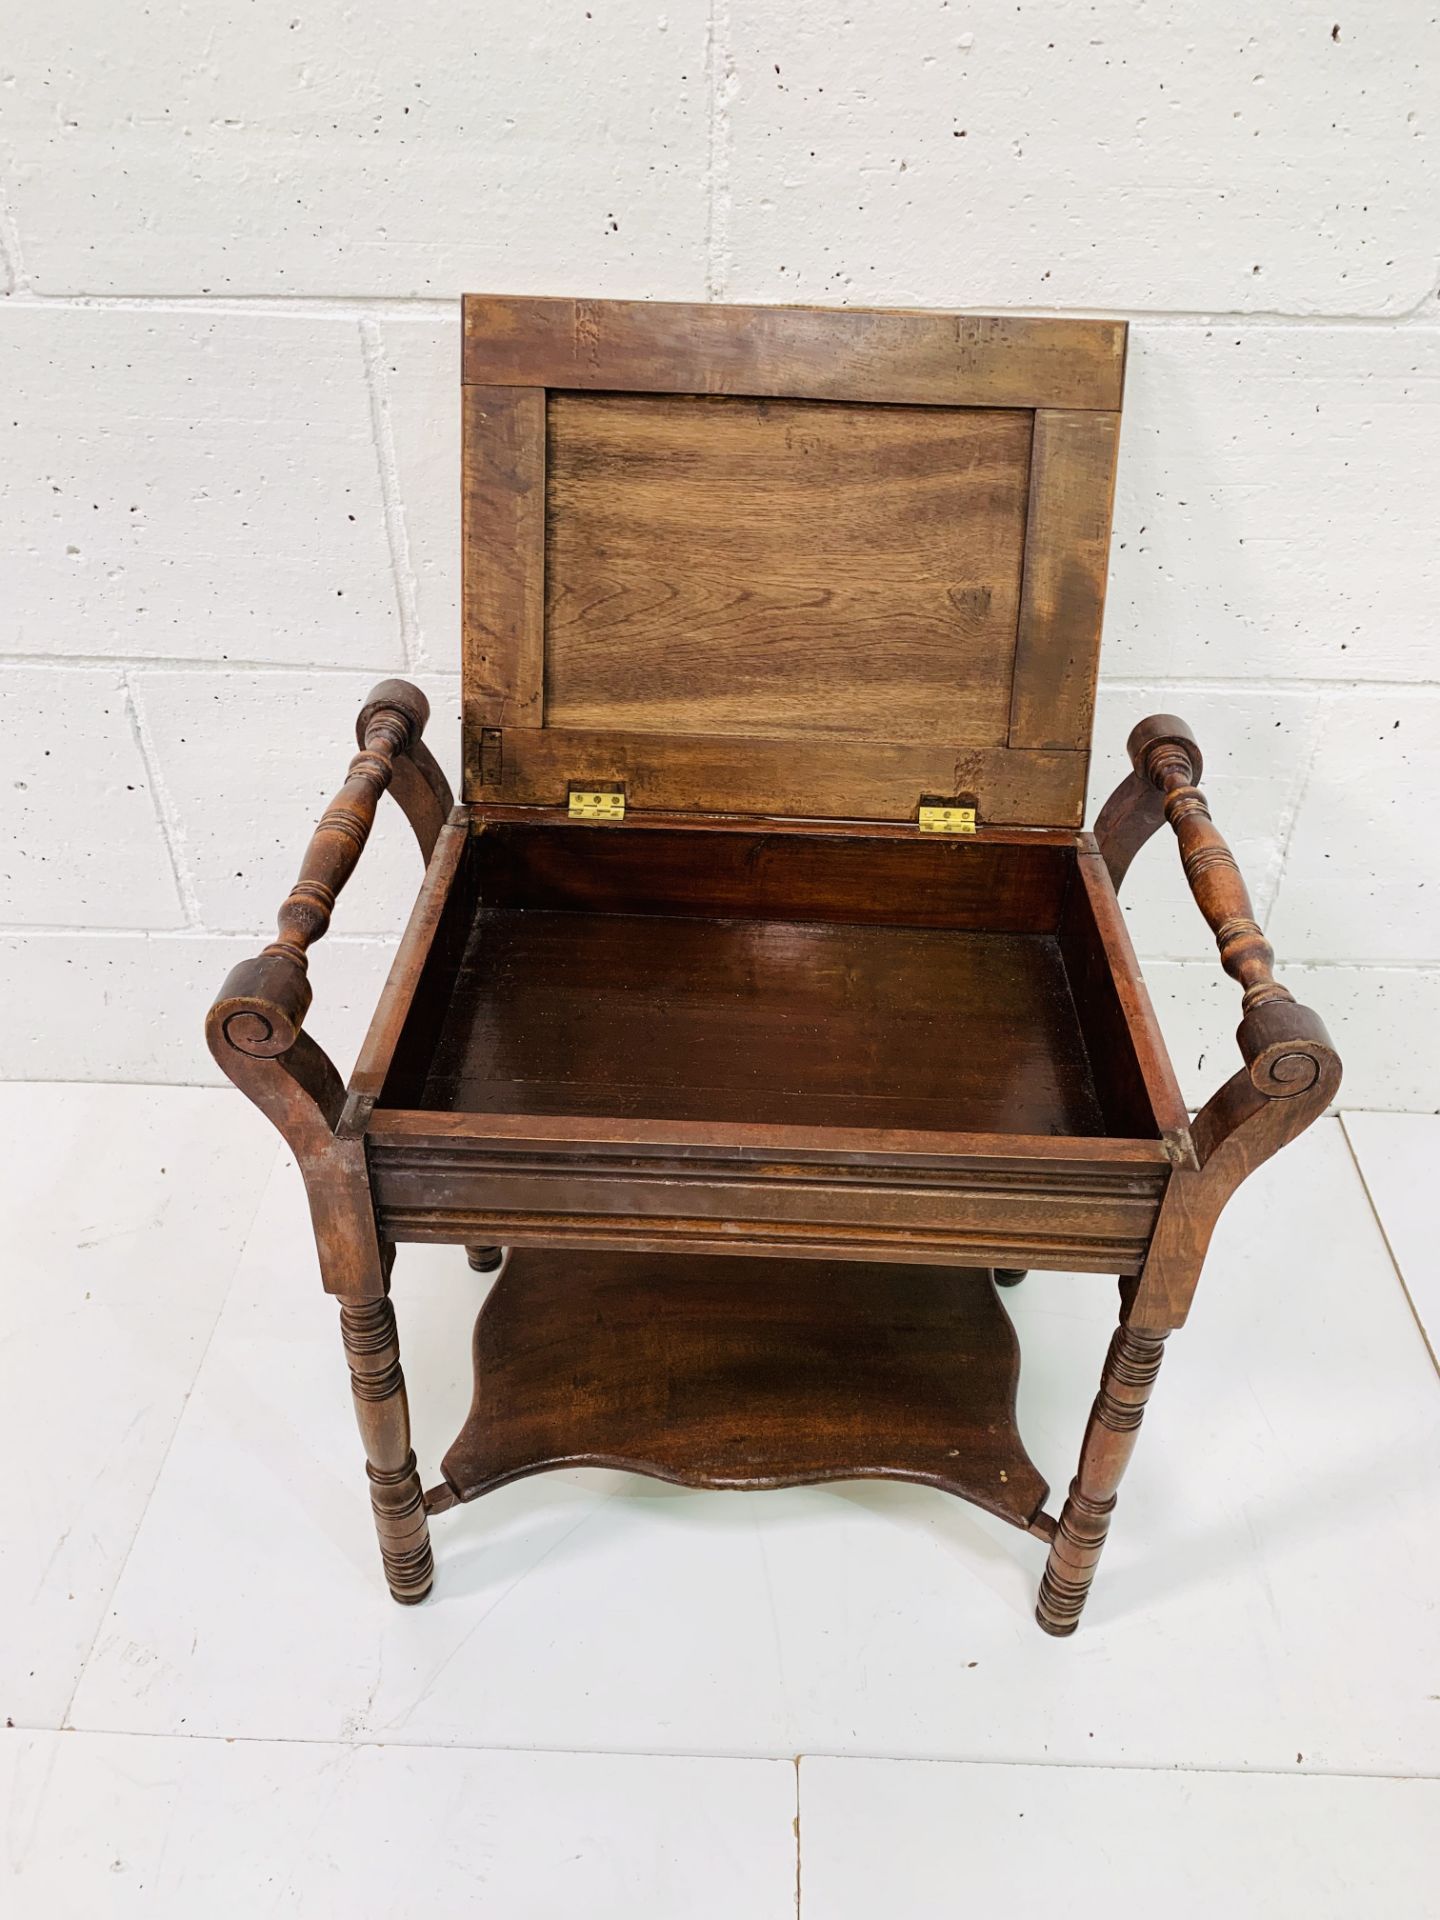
946 818
597 803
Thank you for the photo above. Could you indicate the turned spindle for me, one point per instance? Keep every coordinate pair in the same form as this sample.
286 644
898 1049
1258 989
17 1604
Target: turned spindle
1131 1367
1285 1046
1161 754
382 1413
262 1005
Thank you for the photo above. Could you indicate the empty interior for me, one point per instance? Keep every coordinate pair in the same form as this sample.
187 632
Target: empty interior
947 985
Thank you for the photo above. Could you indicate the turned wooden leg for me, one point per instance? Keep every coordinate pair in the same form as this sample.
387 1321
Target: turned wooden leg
1130 1369
485 1259
1008 1276
383 1414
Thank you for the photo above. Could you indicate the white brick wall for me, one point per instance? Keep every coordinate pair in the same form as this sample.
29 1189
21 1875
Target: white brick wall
231 240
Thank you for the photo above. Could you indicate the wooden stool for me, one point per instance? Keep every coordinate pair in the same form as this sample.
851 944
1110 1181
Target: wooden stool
763 993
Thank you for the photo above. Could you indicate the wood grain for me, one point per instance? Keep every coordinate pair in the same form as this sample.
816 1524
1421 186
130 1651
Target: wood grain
815 353
777 544
397 997
886 1205
485 816
1006 1154
746 1373
503 558
382 1413
782 567
826 779
1067 550
979 884
1121 1030
763 1020
1131 1367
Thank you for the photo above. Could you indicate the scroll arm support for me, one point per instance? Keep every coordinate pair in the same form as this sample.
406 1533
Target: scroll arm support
1290 1074
255 1027
1291 1070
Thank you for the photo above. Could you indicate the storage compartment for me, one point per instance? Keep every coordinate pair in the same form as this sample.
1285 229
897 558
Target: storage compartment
744 974
763 1087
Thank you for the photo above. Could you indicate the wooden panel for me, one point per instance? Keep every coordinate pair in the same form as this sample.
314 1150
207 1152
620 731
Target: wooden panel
1024 1214
1014 1156
503 498
782 567
1067 550
850 353
1119 1082
413 1049
832 779
1096 1253
979 884
851 1371
786 568
424 965
1081 1218
1131 1032
798 1023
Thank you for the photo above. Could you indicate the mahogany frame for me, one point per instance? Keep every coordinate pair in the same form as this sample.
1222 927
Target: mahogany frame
985 1204
1145 1208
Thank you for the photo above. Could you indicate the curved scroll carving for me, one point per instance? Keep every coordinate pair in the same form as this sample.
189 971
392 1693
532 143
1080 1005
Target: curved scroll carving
255 1029
262 1006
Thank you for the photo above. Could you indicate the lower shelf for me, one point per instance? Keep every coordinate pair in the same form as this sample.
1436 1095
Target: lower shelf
731 1372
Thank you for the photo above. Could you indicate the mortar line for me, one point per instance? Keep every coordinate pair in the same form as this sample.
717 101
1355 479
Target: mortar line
167 814
57 930
372 355
191 663
1265 683
1423 316
1295 964
299 306
717 171
142 663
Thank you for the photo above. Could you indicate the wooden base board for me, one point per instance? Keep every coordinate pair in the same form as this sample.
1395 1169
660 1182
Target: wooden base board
718 1371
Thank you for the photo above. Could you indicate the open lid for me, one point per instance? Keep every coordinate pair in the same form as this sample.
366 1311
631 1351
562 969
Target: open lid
825 562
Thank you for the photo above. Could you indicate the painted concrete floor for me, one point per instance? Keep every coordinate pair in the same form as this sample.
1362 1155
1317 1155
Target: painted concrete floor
630 1699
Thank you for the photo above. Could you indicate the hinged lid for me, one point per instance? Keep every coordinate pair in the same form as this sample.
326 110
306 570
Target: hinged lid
785 560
